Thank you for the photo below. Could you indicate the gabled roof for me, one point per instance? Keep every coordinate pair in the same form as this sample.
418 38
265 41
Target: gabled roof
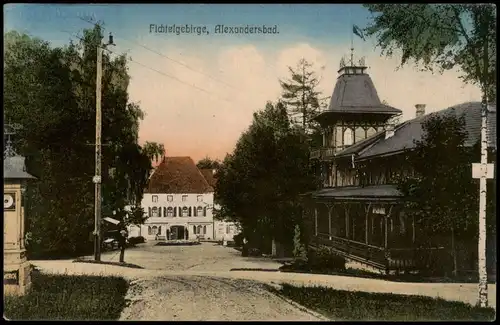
356 93
177 175
209 176
408 132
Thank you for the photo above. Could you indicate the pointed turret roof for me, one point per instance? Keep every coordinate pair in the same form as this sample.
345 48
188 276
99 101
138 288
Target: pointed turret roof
355 93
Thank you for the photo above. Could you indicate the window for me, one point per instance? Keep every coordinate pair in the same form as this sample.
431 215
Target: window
371 131
199 211
185 212
150 231
170 198
359 134
155 212
184 198
170 212
348 137
159 230
198 230
154 230
204 230
194 230
228 229
155 198
200 198
338 136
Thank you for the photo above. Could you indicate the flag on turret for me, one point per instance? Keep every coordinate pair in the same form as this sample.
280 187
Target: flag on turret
358 32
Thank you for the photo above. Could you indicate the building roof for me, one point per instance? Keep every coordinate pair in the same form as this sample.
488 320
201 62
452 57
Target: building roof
209 176
356 93
357 192
14 168
177 175
408 132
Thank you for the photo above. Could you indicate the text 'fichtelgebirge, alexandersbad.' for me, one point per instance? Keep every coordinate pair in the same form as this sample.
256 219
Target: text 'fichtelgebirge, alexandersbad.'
189 29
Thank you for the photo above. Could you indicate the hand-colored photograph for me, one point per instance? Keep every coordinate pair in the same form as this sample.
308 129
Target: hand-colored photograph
250 162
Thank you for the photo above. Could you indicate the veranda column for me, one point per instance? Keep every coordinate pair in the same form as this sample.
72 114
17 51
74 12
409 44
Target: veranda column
385 230
347 228
315 219
413 228
366 224
330 208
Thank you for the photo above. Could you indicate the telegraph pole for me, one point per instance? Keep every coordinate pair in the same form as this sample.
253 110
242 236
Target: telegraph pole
98 126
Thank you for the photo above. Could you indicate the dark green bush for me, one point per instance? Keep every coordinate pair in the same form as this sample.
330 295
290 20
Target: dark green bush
324 259
254 252
136 240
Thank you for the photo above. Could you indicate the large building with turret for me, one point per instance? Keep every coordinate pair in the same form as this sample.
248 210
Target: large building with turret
358 213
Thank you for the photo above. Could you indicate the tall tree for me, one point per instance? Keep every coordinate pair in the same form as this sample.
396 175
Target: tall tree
259 183
153 150
440 195
208 163
51 92
447 36
302 99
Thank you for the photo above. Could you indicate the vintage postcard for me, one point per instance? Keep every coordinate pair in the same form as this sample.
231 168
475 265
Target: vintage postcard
246 162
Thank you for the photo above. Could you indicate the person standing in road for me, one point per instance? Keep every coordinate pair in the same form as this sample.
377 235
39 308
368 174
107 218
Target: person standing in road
122 241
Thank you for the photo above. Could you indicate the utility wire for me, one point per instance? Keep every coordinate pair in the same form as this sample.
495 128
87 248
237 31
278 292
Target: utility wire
165 56
160 72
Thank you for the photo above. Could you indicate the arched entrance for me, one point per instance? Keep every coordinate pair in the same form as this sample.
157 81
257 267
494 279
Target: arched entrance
178 232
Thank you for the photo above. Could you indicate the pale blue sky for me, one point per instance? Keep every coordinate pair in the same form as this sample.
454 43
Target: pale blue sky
199 92
329 23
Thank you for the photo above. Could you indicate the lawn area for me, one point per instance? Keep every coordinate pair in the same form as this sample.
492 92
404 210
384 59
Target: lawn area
68 297
348 305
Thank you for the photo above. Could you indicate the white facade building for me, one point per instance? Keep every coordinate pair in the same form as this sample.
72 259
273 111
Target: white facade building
179 203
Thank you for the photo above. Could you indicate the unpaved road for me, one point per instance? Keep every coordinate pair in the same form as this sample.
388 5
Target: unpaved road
195 283
195 298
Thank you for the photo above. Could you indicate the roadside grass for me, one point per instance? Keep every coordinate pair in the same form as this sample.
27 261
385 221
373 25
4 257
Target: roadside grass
355 305
69 297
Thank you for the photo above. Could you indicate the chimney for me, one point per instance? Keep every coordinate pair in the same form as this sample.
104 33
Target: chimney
420 110
389 130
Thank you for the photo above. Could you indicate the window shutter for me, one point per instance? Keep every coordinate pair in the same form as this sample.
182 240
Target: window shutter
195 212
164 211
159 212
205 211
149 211
159 230
194 230
175 211
189 213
